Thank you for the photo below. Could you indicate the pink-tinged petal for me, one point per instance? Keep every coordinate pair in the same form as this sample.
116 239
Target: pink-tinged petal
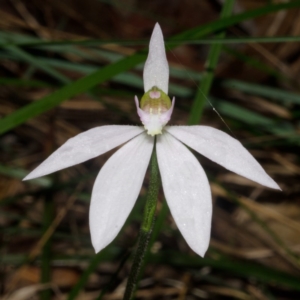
224 150
85 146
187 191
116 189
166 116
156 69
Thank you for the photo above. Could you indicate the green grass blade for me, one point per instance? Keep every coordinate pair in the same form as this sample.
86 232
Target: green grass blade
53 45
24 56
221 24
264 91
68 91
278 128
242 114
255 63
208 76
240 268
241 40
45 276
23 82
21 173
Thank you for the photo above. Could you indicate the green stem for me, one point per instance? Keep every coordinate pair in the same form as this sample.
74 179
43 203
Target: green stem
146 230
210 66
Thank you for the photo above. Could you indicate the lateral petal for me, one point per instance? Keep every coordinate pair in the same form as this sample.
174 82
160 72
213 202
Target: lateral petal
187 191
156 69
116 189
223 149
85 146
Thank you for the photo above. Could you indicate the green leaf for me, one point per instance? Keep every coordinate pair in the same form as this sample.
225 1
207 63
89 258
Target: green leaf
264 91
208 76
24 56
240 268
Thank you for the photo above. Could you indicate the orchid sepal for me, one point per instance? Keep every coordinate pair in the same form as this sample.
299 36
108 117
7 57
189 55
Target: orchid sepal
156 69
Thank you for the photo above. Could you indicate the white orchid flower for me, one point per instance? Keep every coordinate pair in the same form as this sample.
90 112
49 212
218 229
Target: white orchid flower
184 182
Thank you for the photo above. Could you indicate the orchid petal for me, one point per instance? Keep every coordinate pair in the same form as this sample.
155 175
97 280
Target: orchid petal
85 146
116 189
223 149
156 70
187 191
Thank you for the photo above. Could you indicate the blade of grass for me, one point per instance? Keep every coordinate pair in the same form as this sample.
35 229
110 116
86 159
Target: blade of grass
240 40
48 187
257 121
264 91
241 268
26 57
15 39
21 173
221 24
23 82
255 63
46 250
208 76
244 115
52 45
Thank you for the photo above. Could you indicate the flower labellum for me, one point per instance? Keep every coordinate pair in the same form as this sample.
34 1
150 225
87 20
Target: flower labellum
184 181
156 110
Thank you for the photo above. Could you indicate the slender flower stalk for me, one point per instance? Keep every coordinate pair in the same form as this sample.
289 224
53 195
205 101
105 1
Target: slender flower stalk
185 185
146 230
